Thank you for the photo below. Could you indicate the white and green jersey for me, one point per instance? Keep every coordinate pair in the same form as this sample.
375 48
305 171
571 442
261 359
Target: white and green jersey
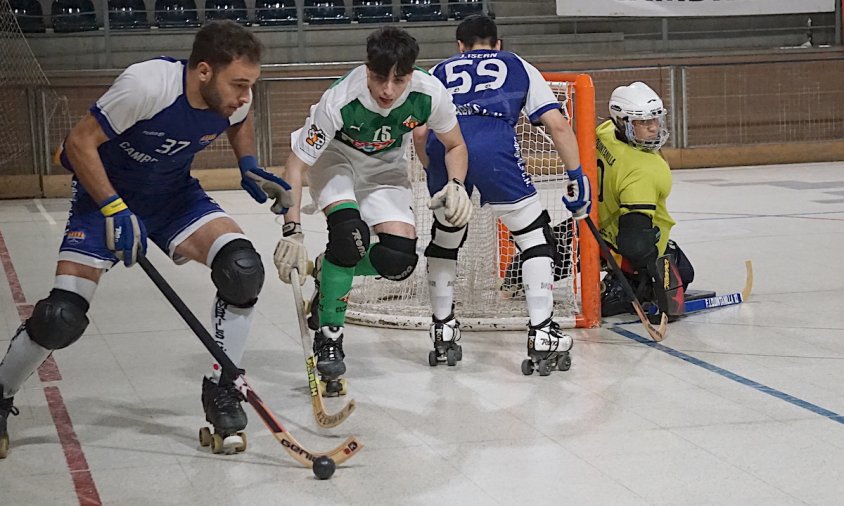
348 118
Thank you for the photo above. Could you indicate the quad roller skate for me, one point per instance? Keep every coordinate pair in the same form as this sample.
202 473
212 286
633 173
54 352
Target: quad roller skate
445 334
548 349
224 412
6 408
328 348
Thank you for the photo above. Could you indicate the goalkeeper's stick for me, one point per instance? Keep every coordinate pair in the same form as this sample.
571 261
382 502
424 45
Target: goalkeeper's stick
657 334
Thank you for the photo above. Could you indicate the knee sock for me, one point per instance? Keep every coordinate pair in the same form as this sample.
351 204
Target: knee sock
231 328
24 355
334 286
442 273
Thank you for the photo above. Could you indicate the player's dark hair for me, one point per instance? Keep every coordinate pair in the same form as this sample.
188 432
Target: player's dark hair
477 28
390 47
220 42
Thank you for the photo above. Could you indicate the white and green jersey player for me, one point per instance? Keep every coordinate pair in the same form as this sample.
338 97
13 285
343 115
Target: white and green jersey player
353 149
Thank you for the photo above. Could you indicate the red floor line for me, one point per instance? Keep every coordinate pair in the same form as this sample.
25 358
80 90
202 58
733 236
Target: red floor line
77 464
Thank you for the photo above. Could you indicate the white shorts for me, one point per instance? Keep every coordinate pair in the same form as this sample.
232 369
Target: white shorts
381 189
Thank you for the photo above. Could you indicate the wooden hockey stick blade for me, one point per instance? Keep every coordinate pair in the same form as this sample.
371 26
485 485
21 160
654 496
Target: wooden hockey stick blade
748 282
657 334
340 454
322 417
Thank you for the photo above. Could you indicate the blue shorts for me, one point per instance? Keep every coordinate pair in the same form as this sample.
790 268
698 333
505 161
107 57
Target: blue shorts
496 167
169 218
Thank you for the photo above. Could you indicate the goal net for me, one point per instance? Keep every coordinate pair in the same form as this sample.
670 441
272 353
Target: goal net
27 103
488 291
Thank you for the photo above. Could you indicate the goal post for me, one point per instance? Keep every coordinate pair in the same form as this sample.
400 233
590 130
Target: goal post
488 292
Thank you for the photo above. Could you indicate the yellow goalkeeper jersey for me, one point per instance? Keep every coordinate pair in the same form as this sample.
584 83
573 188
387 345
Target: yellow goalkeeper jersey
631 180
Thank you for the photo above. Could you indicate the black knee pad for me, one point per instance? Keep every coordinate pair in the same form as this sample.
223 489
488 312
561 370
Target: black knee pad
684 265
59 320
436 249
238 273
348 238
549 249
394 257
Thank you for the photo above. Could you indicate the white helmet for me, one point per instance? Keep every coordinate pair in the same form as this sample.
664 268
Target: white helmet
638 102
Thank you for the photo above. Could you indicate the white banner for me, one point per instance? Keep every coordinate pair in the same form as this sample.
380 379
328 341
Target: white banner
677 8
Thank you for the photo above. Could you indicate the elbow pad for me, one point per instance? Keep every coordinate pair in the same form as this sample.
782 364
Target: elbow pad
637 239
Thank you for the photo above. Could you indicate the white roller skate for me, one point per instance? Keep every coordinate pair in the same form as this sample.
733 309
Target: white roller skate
548 349
445 334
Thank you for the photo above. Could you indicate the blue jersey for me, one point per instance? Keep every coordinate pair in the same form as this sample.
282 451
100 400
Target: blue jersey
497 84
490 90
153 131
153 134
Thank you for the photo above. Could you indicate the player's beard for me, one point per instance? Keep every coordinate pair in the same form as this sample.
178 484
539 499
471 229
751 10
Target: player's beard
212 97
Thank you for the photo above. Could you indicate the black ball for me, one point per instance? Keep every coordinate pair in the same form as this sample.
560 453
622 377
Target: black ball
323 467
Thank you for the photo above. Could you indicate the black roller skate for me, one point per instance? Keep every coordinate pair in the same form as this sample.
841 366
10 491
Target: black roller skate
224 412
6 408
313 308
445 334
328 348
548 349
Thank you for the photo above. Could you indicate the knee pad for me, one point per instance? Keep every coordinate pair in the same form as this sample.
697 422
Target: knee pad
637 239
348 238
59 320
394 257
445 240
684 265
238 273
537 239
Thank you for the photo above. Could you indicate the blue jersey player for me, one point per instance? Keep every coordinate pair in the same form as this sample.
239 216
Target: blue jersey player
131 157
490 89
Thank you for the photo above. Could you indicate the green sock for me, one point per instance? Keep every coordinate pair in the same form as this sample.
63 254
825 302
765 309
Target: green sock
364 267
334 285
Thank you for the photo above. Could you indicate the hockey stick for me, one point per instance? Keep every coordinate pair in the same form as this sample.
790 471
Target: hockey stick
322 418
346 450
731 299
657 334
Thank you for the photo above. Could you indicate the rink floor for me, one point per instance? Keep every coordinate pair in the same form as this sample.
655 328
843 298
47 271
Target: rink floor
740 405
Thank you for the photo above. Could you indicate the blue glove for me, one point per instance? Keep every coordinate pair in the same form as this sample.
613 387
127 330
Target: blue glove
262 185
578 195
125 233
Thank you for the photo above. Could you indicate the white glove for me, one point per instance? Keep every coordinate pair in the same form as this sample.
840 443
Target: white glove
290 253
455 200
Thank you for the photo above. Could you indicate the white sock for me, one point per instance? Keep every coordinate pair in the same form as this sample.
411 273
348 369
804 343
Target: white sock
21 360
231 328
537 276
441 275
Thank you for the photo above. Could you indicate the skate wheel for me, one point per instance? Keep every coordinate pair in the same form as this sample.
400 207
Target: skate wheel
544 368
216 444
204 437
564 362
527 367
451 357
344 387
4 446
458 353
242 446
432 358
